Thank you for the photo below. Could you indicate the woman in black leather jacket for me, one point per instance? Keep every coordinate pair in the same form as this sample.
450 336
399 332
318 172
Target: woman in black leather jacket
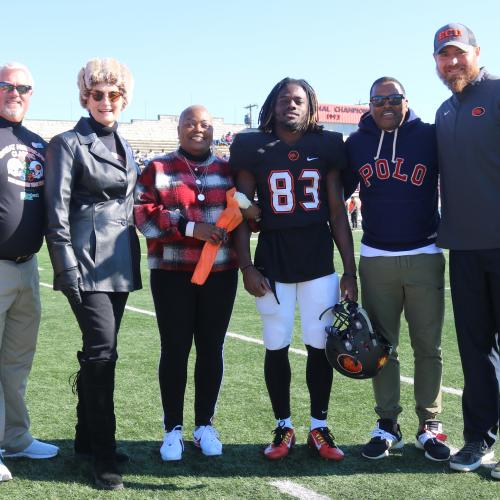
94 249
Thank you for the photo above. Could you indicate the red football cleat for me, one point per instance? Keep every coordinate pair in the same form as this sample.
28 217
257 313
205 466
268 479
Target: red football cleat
284 439
322 441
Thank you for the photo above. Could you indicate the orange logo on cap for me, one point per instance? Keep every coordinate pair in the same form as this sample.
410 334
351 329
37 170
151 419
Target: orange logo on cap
449 33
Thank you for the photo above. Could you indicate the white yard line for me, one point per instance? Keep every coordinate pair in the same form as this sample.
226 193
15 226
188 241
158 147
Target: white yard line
302 352
141 311
449 390
297 491
260 342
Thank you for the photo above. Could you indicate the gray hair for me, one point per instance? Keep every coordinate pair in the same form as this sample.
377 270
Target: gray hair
10 66
106 70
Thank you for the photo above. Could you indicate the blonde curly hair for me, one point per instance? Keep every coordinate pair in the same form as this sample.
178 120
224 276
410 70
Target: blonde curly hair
106 70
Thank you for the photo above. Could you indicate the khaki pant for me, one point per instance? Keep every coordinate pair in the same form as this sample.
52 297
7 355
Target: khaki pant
19 321
413 284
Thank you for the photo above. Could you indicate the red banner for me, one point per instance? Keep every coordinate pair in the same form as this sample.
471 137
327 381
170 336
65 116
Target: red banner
341 113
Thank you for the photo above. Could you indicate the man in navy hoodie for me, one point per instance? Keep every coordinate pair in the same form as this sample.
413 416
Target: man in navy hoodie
393 156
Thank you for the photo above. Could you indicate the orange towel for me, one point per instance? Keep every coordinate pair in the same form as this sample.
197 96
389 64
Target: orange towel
229 219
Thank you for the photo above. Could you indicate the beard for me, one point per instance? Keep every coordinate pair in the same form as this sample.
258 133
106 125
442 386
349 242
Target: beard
294 126
457 82
13 114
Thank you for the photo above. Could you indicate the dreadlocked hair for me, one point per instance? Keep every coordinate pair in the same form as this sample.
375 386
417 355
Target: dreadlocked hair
266 115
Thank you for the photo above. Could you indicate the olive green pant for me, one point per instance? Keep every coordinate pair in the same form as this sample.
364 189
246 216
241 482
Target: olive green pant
413 284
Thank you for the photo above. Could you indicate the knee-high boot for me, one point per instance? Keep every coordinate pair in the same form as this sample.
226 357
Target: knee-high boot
82 445
82 439
98 384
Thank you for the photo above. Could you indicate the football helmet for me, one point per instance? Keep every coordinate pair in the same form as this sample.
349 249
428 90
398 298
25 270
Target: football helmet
353 348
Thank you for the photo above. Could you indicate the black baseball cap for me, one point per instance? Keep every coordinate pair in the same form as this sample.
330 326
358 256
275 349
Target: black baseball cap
454 34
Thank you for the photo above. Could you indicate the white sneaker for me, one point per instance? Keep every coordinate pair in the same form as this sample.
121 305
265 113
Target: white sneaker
173 445
207 439
5 474
37 449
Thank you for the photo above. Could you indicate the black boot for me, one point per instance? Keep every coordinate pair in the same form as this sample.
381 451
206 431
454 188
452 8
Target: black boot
82 446
82 438
98 383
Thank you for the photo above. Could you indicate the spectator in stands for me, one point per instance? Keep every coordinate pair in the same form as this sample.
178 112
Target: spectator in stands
177 222
393 155
93 245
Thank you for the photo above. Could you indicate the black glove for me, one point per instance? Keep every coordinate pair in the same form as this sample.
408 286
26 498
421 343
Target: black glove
68 281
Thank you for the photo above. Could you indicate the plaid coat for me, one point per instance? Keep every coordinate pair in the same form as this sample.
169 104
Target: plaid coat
166 199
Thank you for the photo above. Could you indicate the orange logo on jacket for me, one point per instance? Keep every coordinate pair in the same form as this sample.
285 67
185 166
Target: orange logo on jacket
478 111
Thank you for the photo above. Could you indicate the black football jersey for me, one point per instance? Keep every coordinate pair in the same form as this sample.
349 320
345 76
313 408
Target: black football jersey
290 180
295 242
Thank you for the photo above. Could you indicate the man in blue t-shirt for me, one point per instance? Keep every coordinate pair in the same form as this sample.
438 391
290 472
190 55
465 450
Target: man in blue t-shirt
393 156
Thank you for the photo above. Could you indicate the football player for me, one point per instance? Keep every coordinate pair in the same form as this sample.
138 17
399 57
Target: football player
293 166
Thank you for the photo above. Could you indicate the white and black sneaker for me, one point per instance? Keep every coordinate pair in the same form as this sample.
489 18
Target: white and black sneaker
5 474
432 439
207 439
173 445
471 456
384 438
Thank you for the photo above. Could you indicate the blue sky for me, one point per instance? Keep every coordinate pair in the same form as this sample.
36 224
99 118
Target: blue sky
227 55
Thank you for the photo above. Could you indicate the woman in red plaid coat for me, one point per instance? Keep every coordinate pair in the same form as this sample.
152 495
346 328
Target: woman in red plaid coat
179 198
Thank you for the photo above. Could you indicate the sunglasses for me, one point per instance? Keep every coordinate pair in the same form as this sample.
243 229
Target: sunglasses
393 100
10 87
98 95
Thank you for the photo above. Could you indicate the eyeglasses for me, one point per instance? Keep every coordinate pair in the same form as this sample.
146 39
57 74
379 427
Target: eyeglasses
393 100
10 87
98 95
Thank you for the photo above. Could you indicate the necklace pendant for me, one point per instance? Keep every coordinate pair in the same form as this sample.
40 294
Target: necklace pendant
201 197
198 181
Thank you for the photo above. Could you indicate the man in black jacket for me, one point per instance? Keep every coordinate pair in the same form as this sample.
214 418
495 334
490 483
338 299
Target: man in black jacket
467 126
21 235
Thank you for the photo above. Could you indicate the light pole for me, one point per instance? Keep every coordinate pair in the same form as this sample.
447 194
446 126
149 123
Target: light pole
248 117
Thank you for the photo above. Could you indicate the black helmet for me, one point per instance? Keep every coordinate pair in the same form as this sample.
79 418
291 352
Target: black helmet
352 347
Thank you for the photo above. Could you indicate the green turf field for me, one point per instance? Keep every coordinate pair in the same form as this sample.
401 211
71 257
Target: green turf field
244 419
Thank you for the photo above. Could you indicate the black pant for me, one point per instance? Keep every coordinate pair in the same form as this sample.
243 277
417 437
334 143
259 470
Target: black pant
185 311
99 317
278 375
354 219
475 291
